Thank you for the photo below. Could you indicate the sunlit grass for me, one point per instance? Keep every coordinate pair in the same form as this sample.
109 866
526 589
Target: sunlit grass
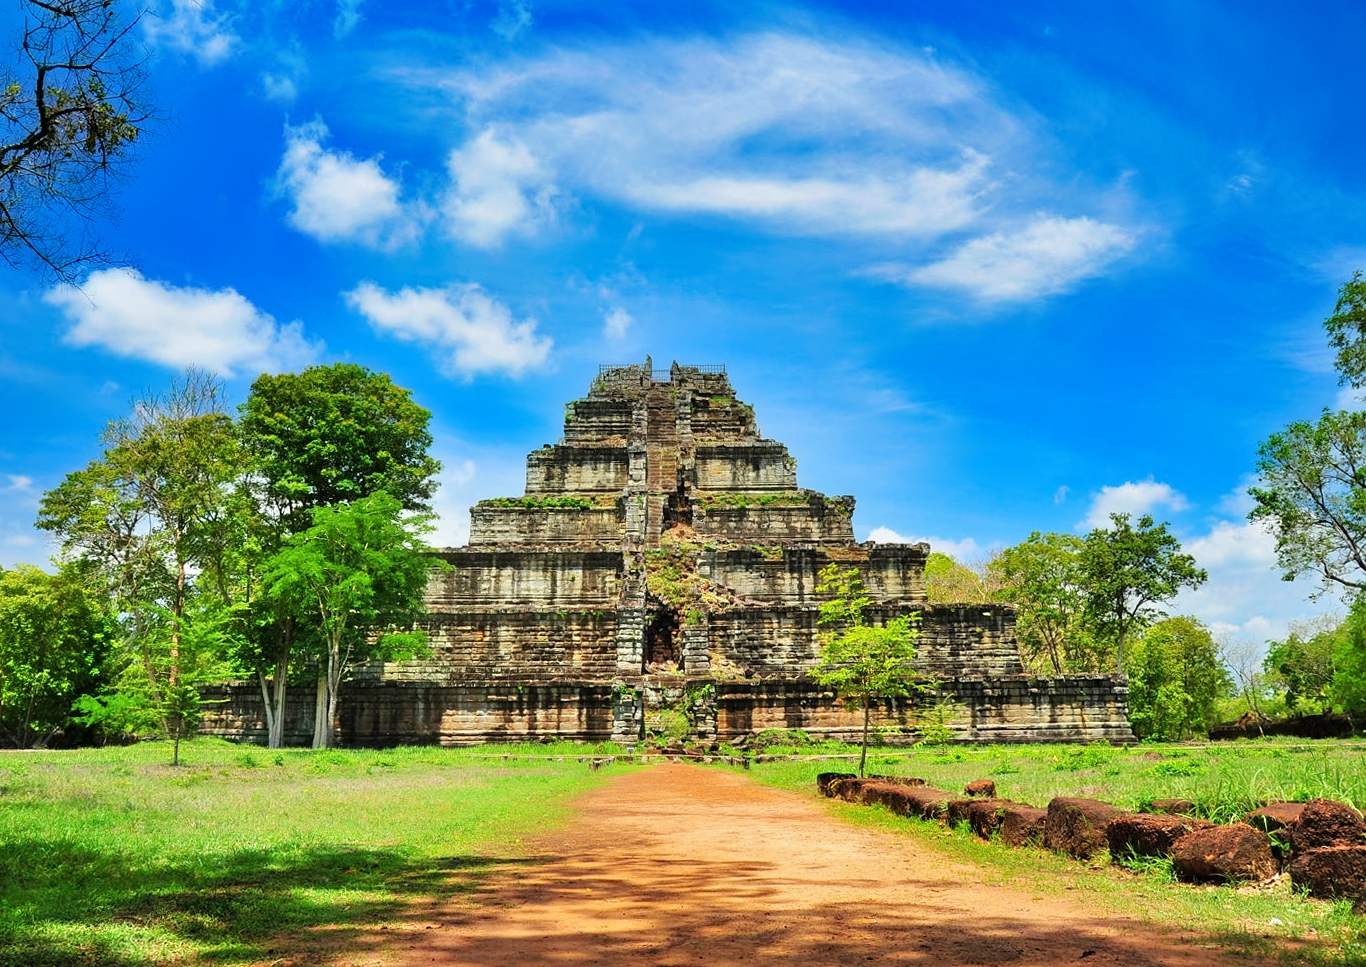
109 856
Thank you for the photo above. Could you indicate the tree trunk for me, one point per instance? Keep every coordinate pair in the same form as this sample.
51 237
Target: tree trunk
276 739
334 676
269 708
322 726
863 749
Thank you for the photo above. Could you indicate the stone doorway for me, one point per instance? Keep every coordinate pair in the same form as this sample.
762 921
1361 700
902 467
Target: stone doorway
663 642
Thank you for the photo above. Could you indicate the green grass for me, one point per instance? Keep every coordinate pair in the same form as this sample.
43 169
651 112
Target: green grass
1223 780
109 856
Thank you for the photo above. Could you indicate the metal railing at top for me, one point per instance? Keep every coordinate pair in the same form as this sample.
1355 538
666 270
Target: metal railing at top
661 375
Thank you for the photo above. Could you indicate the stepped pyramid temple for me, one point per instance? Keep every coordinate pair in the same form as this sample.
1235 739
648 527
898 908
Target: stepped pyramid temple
663 561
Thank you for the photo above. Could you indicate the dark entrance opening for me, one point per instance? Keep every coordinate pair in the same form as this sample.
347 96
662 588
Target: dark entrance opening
663 647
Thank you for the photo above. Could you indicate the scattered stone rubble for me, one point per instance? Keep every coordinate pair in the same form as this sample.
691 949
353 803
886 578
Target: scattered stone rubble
1321 843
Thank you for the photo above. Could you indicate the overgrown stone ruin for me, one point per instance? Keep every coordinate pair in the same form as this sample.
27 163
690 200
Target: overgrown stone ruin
663 562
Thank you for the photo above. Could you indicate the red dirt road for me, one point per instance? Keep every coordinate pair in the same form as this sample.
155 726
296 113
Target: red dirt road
680 864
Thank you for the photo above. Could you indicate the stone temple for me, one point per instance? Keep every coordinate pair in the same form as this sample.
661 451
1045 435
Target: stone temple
663 561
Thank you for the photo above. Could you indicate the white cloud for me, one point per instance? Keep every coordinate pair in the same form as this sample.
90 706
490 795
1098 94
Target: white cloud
514 16
616 322
1045 257
1349 398
278 86
17 483
469 331
820 136
1133 497
191 27
1245 599
965 551
348 17
175 326
337 197
452 502
1060 495
497 189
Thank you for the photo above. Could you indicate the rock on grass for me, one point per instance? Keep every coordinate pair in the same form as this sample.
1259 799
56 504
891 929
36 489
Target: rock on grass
1332 873
825 780
1148 834
1326 822
980 787
1224 854
1173 807
1022 825
1274 816
1077 826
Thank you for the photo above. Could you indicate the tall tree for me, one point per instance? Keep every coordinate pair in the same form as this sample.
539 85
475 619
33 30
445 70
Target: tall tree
1129 570
69 113
361 568
324 436
55 635
1346 329
1303 662
1176 677
861 661
948 581
152 515
1311 477
1042 576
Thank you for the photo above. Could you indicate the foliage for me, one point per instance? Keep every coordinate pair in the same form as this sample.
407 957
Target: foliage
740 500
1176 677
157 688
361 566
934 724
55 634
151 516
861 661
335 433
949 582
1311 494
1043 577
1128 570
69 114
538 502
1346 329
248 857
1304 665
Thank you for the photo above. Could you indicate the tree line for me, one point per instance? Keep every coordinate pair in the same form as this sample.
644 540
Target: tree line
203 546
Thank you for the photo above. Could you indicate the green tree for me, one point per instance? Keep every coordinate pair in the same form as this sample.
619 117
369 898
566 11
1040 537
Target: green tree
362 567
1128 571
1311 493
324 436
1176 678
862 661
158 687
55 634
69 113
152 515
1304 663
1348 689
949 582
1043 577
1346 329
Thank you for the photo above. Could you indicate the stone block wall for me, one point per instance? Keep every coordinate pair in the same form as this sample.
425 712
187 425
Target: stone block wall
563 469
502 578
596 422
815 523
494 526
764 465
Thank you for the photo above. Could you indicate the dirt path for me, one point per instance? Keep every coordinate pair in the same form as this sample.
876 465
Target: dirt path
680 864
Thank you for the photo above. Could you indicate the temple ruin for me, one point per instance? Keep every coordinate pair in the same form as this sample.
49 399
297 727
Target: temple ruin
663 559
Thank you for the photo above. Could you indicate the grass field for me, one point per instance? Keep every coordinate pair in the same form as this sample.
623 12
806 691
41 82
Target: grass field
1224 780
109 856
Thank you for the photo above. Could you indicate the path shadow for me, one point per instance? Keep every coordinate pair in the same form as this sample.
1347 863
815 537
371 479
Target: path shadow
239 904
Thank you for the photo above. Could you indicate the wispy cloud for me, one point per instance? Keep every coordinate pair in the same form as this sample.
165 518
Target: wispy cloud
792 134
191 27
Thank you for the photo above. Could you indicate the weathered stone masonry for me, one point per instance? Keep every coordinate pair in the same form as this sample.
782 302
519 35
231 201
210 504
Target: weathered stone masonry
546 624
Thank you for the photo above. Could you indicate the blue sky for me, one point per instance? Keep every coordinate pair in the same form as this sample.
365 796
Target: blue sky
990 269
